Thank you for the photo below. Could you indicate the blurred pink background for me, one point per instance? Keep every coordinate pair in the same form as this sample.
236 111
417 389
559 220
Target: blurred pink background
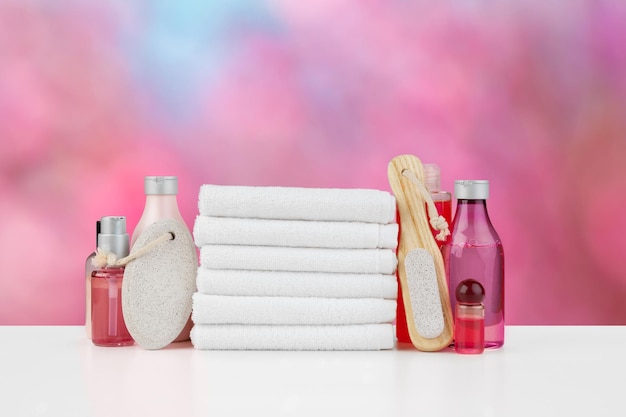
530 95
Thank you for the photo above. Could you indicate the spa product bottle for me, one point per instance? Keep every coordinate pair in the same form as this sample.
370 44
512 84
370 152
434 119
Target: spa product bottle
442 199
475 250
88 270
469 323
443 203
107 321
161 204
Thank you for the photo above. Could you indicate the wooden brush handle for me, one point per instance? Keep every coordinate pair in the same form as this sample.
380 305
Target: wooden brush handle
415 233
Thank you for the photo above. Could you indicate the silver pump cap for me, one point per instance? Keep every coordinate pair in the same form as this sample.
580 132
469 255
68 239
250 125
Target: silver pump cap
432 177
160 185
471 189
113 237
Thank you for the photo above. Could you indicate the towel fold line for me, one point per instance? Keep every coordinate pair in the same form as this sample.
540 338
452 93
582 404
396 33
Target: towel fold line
267 337
296 284
210 230
223 309
297 203
274 258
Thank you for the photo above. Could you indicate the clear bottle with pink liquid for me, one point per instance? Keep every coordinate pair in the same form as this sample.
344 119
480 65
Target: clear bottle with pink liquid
107 321
469 321
442 199
161 203
475 250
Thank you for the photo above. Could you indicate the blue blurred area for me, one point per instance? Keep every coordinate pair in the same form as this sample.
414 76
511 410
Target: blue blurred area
178 48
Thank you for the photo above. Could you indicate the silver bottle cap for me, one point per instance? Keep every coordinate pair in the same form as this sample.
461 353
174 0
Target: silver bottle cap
471 189
160 185
113 237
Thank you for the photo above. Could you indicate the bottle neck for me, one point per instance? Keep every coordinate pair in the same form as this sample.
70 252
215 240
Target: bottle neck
472 210
471 222
159 206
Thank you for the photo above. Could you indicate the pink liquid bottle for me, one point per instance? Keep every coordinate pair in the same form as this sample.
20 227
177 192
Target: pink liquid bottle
475 250
469 321
443 203
161 203
442 199
107 321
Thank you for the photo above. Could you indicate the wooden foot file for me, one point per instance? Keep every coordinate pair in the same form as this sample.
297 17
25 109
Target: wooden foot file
421 271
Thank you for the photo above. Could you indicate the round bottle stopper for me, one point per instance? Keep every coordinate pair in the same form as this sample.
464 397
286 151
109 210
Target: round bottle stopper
470 291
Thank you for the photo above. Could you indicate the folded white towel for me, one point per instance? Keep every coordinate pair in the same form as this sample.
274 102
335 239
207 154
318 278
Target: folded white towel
210 230
296 284
262 337
291 203
274 258
224 309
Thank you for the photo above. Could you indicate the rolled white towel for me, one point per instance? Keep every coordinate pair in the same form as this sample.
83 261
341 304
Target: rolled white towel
294 203
224 309
267 337
210 230
274 258
296 284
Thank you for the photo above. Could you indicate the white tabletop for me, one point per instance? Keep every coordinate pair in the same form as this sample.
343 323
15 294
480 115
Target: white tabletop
541 371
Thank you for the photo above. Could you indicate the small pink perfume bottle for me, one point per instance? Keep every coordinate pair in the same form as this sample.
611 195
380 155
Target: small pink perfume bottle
107 321
469 323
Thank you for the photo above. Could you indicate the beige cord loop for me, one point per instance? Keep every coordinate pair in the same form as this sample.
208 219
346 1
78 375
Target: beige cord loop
437 222
104 258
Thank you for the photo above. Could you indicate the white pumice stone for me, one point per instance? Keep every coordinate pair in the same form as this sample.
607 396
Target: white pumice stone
158 286
424 293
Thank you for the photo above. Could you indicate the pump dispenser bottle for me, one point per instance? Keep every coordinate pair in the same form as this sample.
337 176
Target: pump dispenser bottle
475 251
107 321
161 204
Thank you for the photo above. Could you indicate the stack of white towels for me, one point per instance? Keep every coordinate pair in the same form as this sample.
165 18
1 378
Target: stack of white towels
295 269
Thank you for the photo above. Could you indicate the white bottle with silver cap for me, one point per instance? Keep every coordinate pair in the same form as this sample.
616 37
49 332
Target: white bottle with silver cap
161 203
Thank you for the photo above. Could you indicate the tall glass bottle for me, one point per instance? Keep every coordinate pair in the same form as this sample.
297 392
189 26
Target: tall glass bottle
88 270
475 250
161 204
107 321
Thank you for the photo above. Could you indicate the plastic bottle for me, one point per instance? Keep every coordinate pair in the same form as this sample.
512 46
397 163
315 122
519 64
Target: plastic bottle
442 199
161 204
88 270
475 250
107 321
443 203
